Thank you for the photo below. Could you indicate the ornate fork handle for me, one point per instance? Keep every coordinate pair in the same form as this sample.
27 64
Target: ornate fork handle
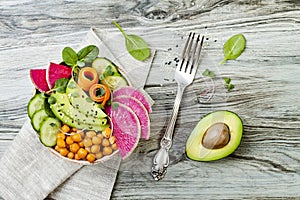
161 159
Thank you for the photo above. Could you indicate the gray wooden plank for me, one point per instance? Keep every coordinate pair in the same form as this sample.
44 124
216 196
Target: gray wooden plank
266 76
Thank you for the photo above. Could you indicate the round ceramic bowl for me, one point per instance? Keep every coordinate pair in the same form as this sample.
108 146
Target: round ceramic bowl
104 158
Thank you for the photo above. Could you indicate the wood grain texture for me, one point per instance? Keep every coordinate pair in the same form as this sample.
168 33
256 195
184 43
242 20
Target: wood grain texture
266 94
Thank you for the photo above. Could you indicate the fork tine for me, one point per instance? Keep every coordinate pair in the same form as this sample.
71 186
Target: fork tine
185 51
196 58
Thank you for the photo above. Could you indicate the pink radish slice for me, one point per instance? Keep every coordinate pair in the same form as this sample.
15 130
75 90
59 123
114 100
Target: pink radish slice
38 78
55 72
126 128
133 92
139 109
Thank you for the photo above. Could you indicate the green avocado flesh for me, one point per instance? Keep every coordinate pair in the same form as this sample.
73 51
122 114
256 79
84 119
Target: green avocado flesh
222 128
79 99
68 114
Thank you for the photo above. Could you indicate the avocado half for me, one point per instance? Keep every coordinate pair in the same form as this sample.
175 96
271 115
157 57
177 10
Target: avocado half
216 136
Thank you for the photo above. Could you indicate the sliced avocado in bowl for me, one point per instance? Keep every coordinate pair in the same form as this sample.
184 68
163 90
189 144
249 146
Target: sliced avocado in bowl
216 136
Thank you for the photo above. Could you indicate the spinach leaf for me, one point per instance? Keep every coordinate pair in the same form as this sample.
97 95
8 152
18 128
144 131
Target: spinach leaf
88 53
61 85
234 47
135 45
69 56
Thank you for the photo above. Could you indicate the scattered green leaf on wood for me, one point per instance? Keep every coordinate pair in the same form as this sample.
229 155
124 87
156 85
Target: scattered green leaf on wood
135 45
227 80
230 87
234 47
208 73
61 85
228 84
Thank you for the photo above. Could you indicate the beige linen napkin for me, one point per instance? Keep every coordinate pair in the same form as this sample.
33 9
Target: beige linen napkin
31 171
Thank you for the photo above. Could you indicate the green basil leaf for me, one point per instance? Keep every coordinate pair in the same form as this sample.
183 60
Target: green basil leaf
69 56
234 47
135 45
61 85
88 53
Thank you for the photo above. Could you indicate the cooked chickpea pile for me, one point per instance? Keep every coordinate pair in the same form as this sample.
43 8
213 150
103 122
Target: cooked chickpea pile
85 145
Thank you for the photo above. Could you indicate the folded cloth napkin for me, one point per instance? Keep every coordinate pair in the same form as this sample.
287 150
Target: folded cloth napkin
31 171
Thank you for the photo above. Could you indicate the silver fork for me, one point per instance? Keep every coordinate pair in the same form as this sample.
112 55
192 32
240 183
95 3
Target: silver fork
184 76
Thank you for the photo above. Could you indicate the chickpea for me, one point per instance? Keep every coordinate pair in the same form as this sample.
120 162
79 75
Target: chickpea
100 136
61 135
90 134
114 146
107 151
98 155
69 140
81 144
82 153
65 128
74 129
96 140
76 137
95 148
71 155
81 133
76 157
87 142
56 148
64 151
106 132
88 149
90 157
74 147
105 142
61 143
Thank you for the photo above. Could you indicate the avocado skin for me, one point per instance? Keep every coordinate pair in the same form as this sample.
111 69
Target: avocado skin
194 148
65 112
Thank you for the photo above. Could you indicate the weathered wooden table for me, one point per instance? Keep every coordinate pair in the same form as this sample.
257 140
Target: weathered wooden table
266 94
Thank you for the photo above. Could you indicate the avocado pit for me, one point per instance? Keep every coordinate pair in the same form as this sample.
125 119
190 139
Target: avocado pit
216 136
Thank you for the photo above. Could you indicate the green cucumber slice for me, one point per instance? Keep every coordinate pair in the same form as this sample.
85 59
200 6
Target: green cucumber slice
114 82
37 119
36 103
50 127
105 67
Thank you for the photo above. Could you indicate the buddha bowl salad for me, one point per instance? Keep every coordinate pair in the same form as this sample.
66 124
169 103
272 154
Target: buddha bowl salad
85 109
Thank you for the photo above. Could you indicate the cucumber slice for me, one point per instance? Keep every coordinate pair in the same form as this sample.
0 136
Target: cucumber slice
37 119
105 67
36 103
50 127
114 82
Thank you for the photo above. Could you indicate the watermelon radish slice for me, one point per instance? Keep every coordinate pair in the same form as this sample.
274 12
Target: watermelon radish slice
55 72
38 78
133 92
127 128
139 109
